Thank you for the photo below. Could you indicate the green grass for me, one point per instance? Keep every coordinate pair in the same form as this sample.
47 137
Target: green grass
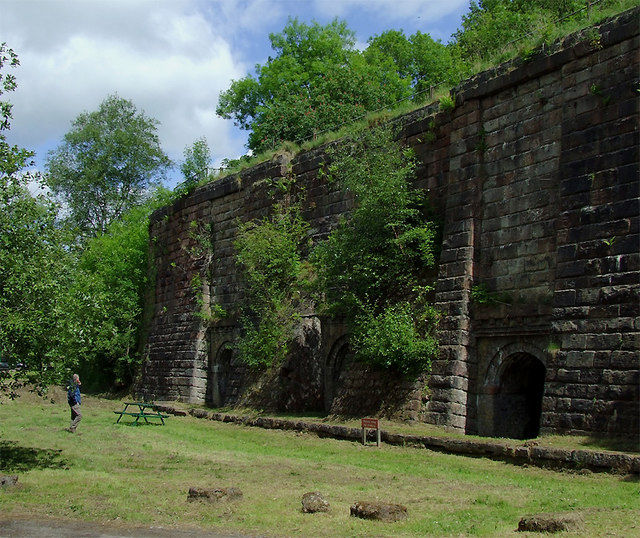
140 475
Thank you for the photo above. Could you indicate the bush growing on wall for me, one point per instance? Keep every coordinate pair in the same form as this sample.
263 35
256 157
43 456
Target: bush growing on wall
270 253
372 268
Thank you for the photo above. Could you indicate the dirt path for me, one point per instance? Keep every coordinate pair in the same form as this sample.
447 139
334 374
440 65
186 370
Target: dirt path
52 528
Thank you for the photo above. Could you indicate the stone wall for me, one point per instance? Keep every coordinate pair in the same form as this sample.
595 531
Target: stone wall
534 176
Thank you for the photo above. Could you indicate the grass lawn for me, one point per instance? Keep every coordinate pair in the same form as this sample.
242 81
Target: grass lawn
133 476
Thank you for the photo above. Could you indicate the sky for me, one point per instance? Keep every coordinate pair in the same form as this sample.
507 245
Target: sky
171 58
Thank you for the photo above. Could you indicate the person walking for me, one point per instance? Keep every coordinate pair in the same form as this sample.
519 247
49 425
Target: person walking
74 399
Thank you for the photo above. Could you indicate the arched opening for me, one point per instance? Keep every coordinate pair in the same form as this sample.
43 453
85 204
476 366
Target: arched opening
218 377
338 358
517 402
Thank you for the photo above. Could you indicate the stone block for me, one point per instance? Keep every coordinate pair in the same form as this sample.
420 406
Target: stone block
381 511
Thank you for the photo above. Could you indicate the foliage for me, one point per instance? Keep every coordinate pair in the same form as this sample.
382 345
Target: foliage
202 249
195 167
399 337
106 164
34 273
34 268
270 252
420 60
492 24
104 303
480 294
317 81
372 268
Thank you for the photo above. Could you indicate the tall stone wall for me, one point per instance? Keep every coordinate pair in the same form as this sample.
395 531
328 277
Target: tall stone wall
535 176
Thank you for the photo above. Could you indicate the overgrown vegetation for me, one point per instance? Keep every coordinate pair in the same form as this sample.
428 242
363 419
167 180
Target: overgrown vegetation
271 252
373 268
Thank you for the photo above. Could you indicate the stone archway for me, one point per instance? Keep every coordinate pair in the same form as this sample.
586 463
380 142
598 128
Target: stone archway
510 404
337 360
218 376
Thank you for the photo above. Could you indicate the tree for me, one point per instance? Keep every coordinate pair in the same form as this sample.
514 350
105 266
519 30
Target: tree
492 24
419 60
106 164
197 159
34 267
317 81
103 307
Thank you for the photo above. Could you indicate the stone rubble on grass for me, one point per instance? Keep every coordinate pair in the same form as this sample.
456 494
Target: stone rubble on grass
213 494
313 502
380 511
8 480
549 523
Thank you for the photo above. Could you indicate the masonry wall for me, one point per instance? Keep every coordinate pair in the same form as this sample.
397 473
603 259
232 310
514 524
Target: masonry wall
534 175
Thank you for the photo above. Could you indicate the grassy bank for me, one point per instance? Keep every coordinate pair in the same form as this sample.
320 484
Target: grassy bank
141 475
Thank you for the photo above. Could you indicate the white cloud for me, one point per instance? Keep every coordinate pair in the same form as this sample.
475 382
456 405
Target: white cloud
172 58
164 56
393 10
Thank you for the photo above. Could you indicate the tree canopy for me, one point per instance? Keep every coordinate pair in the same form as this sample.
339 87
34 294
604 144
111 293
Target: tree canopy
33 264
419 60
317 81
491 24
106 164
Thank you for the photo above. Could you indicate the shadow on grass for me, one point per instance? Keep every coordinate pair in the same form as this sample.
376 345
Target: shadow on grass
620 444
138 424
14 457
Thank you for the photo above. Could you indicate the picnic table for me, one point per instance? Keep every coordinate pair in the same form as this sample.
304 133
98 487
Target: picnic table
141 410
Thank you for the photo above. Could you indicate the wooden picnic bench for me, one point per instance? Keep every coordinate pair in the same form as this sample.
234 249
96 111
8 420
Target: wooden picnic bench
144 410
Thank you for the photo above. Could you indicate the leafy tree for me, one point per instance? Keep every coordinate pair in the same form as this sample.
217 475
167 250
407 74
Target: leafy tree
419 60
106 164
317 81
34 267
104 304
373 268
491 24
197 159
35 270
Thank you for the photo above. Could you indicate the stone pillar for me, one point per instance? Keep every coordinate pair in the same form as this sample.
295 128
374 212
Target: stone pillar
451 374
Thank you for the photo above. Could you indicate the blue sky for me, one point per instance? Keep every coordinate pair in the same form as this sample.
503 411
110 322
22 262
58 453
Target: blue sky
172 58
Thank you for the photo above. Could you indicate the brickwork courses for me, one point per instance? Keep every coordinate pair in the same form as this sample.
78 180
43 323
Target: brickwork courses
534 176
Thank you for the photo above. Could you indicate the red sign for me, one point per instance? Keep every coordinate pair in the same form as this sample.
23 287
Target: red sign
370 423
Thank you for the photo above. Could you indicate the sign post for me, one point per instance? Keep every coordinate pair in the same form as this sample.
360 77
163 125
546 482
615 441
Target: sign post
370 424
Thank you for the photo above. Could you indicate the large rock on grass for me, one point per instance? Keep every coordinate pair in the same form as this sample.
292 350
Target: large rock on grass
379 511
313 502
8 480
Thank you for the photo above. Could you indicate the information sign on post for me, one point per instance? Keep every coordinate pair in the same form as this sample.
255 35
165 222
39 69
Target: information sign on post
370 424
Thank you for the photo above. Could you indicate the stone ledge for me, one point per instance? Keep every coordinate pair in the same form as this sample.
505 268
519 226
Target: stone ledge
529 452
